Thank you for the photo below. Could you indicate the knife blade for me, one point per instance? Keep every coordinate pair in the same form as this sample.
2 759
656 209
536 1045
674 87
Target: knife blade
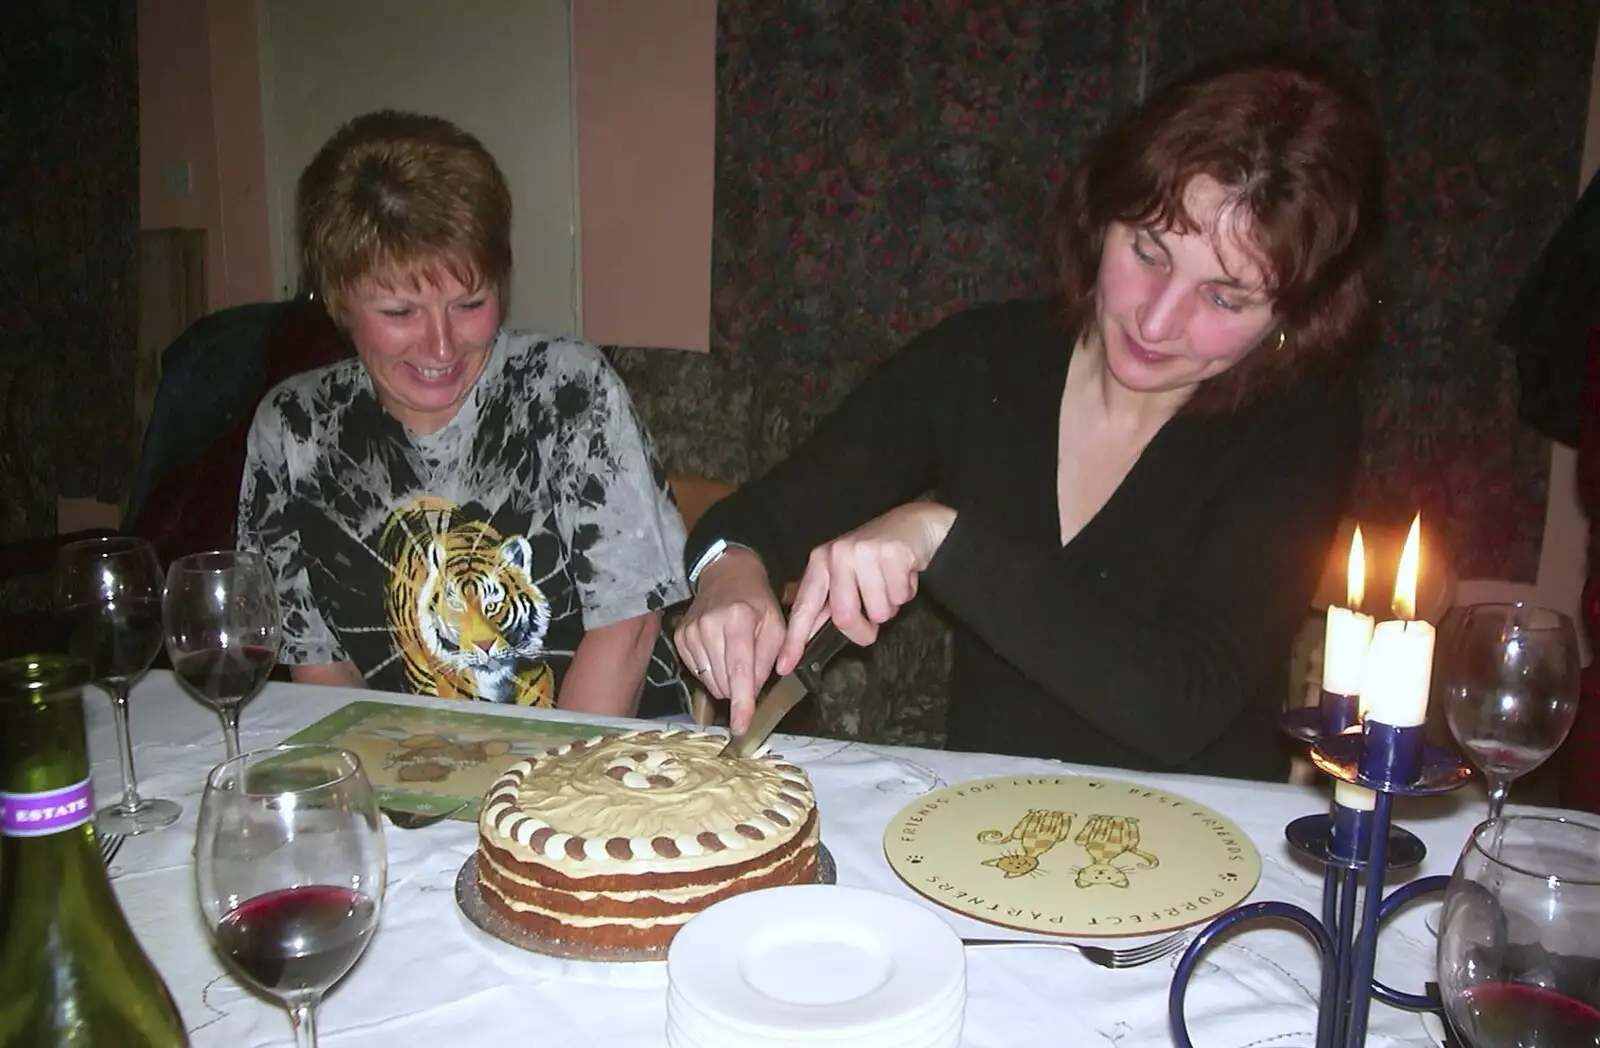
790 689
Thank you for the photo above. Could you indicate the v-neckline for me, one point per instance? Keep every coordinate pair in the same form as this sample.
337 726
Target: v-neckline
1118 493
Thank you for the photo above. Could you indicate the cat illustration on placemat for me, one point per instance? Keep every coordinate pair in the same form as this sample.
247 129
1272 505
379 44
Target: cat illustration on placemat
432 757
1036 833
402 755
1111 841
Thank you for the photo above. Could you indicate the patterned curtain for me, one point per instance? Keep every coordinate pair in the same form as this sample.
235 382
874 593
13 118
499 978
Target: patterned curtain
69 131
1484 102
880 165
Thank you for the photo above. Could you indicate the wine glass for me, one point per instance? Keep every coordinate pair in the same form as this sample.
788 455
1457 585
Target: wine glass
1519 940
1509 677
290 868
108 601
222 627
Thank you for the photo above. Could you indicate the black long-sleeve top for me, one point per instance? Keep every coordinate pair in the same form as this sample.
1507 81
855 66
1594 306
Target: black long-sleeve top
1158 637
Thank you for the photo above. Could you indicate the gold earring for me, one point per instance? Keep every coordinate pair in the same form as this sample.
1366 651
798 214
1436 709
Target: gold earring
1282 338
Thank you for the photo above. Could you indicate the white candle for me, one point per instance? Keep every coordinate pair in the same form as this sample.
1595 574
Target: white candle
1357 798
1394 690
1344 642
1399 670
1344 650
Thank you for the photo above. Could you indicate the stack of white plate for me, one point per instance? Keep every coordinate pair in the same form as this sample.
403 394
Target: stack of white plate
816 965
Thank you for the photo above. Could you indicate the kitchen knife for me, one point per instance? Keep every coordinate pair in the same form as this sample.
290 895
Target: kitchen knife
790 689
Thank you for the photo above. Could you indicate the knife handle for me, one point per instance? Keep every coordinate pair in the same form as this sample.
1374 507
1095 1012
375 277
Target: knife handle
820 650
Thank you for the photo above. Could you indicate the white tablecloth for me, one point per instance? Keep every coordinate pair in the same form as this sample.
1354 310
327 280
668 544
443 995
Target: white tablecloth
425 981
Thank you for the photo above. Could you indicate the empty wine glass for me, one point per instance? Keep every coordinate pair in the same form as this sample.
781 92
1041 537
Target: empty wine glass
1509 677
222 627
1519 939
290 868
108 601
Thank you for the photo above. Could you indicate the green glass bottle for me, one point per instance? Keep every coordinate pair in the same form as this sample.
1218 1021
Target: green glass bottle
72 974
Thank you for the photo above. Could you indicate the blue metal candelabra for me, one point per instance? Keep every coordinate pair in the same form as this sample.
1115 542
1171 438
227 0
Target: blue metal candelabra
1348 842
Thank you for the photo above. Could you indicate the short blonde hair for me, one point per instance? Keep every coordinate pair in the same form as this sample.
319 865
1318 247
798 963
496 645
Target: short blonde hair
402 197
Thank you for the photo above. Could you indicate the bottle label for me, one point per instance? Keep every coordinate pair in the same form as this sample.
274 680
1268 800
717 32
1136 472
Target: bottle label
41 814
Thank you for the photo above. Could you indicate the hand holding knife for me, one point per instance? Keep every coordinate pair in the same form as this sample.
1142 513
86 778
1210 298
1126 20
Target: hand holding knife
789 690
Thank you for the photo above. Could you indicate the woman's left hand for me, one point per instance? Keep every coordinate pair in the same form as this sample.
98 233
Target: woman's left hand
861 579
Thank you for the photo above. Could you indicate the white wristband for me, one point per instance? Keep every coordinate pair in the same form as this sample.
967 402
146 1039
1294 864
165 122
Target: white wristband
712 554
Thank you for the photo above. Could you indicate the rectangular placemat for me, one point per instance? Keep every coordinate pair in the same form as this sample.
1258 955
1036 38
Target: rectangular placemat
430 760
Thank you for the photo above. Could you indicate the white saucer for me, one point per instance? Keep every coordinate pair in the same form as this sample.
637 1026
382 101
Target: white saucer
950 1037
818 960
930 1028
690 1035
677 1038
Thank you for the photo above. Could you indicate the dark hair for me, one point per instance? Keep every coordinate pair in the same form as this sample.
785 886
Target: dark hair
402 196
1300 150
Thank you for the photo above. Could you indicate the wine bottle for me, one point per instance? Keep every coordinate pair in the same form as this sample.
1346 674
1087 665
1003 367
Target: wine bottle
72 974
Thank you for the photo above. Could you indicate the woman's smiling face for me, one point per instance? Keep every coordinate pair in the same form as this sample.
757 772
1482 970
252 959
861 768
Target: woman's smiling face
423 341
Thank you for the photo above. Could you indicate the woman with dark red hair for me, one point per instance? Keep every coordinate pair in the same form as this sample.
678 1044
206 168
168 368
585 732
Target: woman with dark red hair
1134 484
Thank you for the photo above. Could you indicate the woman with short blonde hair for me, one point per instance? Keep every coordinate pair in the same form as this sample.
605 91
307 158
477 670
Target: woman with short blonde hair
462 510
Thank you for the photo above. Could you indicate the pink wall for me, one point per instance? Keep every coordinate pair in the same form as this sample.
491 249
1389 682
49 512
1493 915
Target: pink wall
175 123
200 104
241 161
645 81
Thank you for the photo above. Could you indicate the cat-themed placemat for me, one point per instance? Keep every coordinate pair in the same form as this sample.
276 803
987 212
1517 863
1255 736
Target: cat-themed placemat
428 760
1071 855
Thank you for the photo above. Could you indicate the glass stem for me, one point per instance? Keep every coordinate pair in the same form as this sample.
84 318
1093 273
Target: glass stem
130 779
230 729
303 1013
1498 788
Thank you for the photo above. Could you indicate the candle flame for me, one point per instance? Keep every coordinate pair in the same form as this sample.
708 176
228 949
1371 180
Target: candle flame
1405 576
1355 582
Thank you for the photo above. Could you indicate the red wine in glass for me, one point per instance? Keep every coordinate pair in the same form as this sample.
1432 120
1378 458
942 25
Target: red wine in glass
297 939
107 605
1519 946
222 624
118 639
225 676
1518 1015
290 870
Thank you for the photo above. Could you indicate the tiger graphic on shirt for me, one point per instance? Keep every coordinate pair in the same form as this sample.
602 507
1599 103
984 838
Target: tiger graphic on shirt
462 604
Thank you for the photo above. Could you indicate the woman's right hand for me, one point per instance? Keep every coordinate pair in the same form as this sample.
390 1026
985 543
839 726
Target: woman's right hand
730 636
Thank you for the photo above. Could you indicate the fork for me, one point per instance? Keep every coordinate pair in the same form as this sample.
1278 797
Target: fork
1104 956
110 844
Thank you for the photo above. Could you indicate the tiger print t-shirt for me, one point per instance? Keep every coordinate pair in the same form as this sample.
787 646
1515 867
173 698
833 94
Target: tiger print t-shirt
466 563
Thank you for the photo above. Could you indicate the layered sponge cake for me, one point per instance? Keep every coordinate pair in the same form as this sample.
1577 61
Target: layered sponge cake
617 841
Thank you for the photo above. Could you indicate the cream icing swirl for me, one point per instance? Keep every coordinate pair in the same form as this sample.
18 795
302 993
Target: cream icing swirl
645 795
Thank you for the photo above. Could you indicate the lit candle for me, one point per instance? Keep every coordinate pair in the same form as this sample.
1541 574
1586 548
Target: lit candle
1349 632
1394 689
